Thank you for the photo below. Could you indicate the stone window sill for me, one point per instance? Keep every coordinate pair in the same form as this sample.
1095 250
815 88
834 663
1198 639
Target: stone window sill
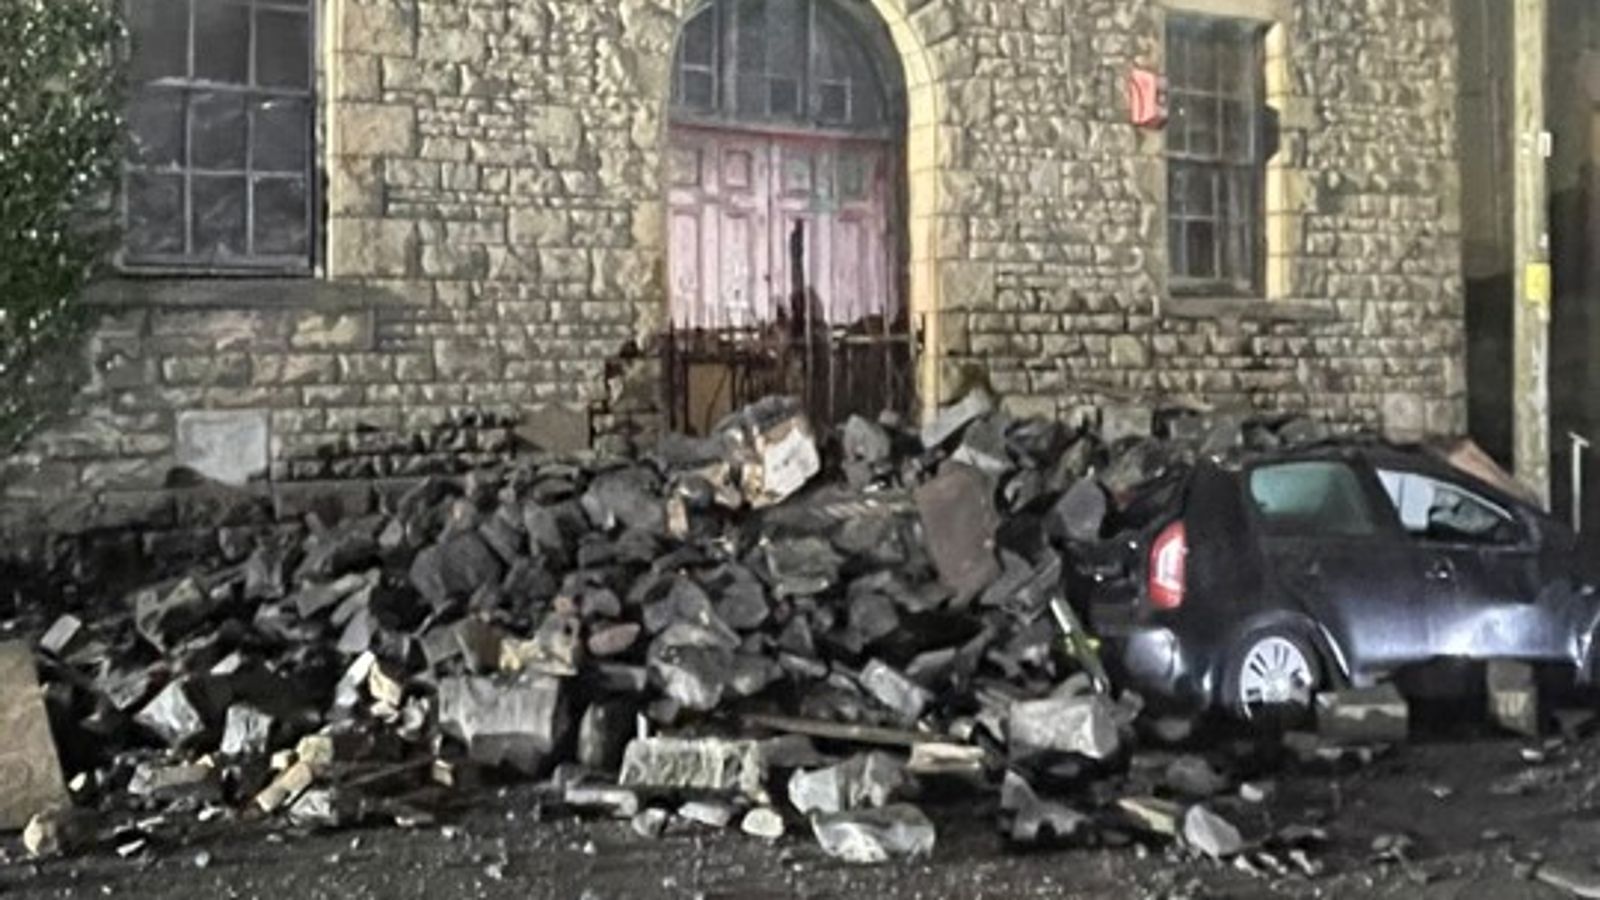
234 293
1248 308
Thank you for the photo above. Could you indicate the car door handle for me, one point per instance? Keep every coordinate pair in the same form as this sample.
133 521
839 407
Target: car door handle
1441 570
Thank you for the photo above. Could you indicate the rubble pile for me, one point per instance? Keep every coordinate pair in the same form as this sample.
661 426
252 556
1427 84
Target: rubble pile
712 633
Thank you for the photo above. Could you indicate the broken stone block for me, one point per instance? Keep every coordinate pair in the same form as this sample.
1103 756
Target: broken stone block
556 648
619 803
650 823
763 822
1368 715
182 781
1513 696
290 783
480 643
1084 725
708 764
628 497
1193 776
603 733
872 836
1034 819
695 677
983 446
872 617
312 599
455 568
802 566
894 690
30 771
246 731
960 522
953 419
1211 834
173 715
865 441
866 780
742 604
1081 512
709 813
613 640
57 830
386 684
517 722
775 448
324 807
59 638
165 617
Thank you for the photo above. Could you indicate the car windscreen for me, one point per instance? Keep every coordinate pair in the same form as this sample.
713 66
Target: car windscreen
1311 498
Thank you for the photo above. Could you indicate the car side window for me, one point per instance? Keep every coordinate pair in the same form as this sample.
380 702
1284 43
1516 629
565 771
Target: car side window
1449 513
1312 498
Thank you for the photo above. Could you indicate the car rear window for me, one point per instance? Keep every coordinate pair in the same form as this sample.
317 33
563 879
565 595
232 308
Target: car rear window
1311 498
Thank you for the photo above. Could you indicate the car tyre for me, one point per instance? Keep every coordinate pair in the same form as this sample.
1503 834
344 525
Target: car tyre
1271 678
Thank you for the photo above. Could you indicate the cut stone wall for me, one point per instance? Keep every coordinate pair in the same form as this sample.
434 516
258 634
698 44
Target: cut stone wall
495 244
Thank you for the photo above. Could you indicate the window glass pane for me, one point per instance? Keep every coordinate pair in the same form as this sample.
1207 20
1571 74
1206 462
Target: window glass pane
700 40
697 90
833 102
1177 248
752 98
751 37
280 217
281 135
155 128
283 49
1447 513
1202 72
1311 498
1200 249
1200 192
155 214
783 97
219 216
788 41
1238 131
221 41
160 33
217 128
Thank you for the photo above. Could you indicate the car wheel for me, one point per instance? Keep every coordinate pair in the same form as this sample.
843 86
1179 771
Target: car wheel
1271 678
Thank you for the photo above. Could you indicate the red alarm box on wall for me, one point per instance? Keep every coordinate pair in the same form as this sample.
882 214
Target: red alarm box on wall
1147 98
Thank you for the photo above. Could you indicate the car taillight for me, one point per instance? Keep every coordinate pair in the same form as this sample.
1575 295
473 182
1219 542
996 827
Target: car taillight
1169 566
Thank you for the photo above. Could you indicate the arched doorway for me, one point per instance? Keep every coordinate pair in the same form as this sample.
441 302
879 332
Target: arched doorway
785 208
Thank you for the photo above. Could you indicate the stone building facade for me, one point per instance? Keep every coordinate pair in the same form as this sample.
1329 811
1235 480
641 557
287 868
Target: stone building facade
490 253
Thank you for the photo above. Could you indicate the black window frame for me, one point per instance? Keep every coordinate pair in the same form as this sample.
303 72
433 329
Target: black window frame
256 99
737 79
1228 178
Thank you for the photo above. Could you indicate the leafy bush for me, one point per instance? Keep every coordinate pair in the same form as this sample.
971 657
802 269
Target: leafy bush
60 132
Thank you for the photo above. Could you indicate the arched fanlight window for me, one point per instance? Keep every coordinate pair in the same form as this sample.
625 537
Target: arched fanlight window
811 63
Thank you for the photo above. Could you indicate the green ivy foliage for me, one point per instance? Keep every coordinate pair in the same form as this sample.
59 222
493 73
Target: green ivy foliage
60 139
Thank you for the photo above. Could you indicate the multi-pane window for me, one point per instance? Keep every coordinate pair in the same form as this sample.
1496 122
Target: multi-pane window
218 171
778 62
1216 156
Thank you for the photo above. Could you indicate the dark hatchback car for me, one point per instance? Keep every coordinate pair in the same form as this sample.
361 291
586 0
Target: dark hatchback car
1263 582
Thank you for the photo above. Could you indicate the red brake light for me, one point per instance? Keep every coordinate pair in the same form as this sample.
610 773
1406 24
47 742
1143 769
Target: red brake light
1169 567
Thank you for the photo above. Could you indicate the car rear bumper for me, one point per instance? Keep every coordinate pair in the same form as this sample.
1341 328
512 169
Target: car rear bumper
1153 661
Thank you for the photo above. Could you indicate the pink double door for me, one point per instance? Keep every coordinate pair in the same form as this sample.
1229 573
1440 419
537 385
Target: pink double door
759 222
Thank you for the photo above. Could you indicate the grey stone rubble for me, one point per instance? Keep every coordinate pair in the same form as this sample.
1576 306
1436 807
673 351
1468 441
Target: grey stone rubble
609 623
